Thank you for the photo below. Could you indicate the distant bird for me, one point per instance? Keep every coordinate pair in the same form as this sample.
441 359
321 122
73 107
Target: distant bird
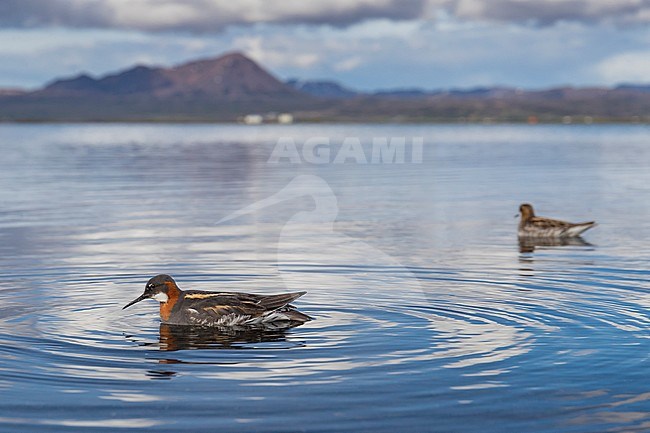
222 309
531 226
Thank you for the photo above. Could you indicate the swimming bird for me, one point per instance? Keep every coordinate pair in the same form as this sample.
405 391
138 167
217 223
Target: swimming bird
200 308
532 226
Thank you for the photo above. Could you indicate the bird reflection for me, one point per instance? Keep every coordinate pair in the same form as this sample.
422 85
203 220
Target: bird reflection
528 245
174 337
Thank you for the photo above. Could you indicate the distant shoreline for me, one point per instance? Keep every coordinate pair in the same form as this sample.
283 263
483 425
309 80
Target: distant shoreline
233 88
491 121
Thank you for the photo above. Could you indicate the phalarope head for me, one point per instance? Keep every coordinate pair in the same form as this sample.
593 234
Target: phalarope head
157 288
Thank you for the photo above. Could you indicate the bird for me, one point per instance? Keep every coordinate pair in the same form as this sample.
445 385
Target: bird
220 309
531 226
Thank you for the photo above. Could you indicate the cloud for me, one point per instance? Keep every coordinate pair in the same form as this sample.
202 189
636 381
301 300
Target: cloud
629 67
348 64
32 58
434 52
211 16
460 55
275 56
199 15
547 12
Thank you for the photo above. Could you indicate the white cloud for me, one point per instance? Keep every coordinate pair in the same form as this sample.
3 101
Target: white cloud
629 67
34 57
348 64
368 55
274 56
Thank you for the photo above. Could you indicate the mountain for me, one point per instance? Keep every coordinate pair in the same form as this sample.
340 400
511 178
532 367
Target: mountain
11 91
230 87
635 87
322 88
221 89
81 84
332 89
229 77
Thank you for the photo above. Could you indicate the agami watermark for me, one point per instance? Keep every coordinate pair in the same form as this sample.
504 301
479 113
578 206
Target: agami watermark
324 150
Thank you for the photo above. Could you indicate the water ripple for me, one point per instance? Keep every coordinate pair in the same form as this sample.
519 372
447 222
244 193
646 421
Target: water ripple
426 307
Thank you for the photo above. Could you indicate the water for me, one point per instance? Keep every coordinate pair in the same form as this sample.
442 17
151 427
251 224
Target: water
429 315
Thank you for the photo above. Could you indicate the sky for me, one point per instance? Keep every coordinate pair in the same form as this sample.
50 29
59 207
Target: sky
363 44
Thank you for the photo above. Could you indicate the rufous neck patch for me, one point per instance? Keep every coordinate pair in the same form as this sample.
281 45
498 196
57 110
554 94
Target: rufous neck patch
166 307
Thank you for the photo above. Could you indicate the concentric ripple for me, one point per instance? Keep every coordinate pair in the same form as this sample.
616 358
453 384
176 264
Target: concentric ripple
429 316
368 337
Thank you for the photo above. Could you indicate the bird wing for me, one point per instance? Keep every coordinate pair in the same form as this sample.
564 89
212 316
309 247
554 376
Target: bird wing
224 304
248 300
273 302
578 228
208 308
548 223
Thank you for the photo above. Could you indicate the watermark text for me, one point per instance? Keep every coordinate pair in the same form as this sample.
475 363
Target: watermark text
324 150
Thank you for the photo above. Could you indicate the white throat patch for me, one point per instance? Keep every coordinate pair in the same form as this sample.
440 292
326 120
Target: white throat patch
160 297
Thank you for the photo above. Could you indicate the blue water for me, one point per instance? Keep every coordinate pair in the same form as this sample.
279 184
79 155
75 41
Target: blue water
429 316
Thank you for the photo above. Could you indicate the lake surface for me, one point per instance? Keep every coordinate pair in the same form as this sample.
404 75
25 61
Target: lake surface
429 316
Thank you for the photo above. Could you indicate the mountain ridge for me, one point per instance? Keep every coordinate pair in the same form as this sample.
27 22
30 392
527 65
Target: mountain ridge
231 86
231 76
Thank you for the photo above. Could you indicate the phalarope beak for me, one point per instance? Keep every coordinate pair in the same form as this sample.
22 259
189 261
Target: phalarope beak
135 301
